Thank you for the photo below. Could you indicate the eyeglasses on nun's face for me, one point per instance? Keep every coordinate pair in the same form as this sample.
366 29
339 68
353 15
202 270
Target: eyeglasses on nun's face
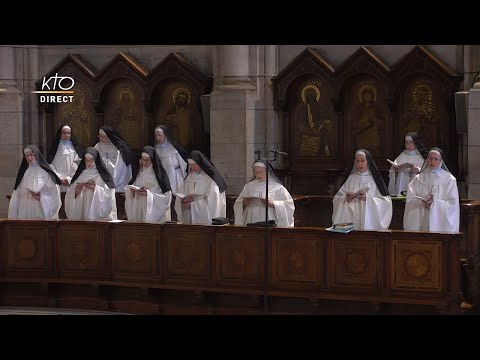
146 161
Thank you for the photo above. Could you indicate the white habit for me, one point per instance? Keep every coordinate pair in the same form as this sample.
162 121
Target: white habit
155 207
173 163
444 212
114 163
282 212
398 182
24 206
63 164
209 203
373 214
98 204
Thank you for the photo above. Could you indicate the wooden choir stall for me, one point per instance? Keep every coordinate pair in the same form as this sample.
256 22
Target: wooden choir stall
195 269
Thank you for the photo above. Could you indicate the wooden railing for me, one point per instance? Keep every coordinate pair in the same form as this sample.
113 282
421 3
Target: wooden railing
164 269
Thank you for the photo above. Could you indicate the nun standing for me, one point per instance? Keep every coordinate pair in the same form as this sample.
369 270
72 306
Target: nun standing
413 153
172 156
64 155
201 197
250 204
91 194
116 156
36 193
150 196
363 198
432 198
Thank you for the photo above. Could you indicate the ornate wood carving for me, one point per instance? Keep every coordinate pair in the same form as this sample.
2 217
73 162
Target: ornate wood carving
174 89
210 269
134 251
355 264
79 113
133 100
297 264
416 265
83 251
187 253
371 106
239 256
423 91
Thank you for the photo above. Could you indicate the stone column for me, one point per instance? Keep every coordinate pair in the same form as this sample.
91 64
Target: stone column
234 67
232 116
11 142
473 176
273 127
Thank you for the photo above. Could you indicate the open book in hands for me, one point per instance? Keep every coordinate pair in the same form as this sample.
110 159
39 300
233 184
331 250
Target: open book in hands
89 182
401 167
421 197
133 187
361 191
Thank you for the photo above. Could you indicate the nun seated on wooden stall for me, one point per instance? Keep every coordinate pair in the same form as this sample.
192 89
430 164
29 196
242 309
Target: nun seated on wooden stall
148 196
201 197
116 155
363 199
91 194
250 204
36 193
432 198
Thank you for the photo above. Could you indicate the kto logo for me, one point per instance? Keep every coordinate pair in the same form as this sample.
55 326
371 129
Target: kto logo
56 85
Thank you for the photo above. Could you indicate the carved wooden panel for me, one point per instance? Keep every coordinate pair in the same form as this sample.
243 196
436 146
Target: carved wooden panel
178 108
422 110
297 261
79 115
313 122
367 115
187 252
355 263
133 251
416 265
27 249
83 251
239 255
126 112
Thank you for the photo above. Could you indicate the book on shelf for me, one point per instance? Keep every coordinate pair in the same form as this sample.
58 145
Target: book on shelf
344 231
344 226
400 166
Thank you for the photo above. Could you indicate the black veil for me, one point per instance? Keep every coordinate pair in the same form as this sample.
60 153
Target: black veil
209 168
41 161
158 169
80 149
106 177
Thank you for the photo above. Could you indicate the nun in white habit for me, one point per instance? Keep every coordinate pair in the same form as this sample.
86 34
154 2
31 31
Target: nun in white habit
64 155
250 204
432 198
363 198
116 156
201 197
148 196
172 156
413 153
36 193
91 194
